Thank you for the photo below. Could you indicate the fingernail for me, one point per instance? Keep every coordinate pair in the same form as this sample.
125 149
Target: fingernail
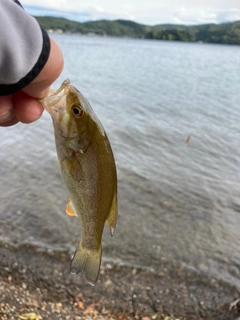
6 116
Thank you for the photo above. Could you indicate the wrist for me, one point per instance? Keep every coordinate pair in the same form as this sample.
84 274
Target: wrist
40 86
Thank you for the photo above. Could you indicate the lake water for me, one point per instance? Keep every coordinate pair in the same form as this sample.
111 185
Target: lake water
177 203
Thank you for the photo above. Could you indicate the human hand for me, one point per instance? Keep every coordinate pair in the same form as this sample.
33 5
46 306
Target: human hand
23 105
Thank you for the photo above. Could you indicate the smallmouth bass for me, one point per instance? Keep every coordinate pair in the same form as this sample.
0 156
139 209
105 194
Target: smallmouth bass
88 169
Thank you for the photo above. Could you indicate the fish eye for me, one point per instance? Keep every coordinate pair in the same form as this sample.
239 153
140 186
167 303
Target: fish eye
77 111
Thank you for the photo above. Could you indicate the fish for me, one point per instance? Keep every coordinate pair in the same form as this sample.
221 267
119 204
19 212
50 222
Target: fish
88 169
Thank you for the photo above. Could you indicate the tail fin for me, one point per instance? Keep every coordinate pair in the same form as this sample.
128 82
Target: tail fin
87 261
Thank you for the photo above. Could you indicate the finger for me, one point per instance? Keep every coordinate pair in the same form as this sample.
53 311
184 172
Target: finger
6 109
11 122
26 108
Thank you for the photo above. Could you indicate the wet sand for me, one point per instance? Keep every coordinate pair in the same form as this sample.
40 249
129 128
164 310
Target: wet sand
40 283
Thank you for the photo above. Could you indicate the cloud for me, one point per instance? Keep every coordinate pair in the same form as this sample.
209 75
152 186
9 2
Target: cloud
194 16
232 14
158 14
190 16
45 4
39 11
91 14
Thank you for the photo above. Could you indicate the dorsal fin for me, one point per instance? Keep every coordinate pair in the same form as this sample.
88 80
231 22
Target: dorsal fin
112 217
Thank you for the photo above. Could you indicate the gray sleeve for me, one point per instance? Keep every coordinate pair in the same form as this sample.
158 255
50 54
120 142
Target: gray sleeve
24 47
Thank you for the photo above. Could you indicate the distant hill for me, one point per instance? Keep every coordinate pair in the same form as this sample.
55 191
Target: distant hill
117 28
226 33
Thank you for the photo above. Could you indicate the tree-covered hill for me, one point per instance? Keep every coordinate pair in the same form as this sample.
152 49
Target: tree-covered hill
117 28
227 33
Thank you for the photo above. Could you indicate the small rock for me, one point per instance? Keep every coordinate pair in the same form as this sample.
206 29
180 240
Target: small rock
24 286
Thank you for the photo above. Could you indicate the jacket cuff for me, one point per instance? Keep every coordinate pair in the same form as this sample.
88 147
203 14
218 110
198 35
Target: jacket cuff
7 89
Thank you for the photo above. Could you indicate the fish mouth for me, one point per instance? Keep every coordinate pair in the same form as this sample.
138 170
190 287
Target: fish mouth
54 97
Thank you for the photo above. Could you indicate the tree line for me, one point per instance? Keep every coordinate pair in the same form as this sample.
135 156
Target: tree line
226 33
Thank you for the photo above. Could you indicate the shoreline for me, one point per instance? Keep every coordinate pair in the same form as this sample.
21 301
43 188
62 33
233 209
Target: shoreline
39 283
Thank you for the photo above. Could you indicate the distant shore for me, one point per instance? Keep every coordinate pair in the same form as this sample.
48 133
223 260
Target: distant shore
40 284
225 33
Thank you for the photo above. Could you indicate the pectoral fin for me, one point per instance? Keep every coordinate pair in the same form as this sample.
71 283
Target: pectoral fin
70 209
112 217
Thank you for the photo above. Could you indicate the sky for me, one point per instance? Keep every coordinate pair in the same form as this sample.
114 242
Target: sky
150 12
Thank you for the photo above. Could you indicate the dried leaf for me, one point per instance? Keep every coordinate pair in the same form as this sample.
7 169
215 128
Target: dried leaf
59 305
234 304
79 297
187 141
34 303
108 283
79 305
30 316
88 309
95 312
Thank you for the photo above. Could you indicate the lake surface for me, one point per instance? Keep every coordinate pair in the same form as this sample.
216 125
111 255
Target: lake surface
177 202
